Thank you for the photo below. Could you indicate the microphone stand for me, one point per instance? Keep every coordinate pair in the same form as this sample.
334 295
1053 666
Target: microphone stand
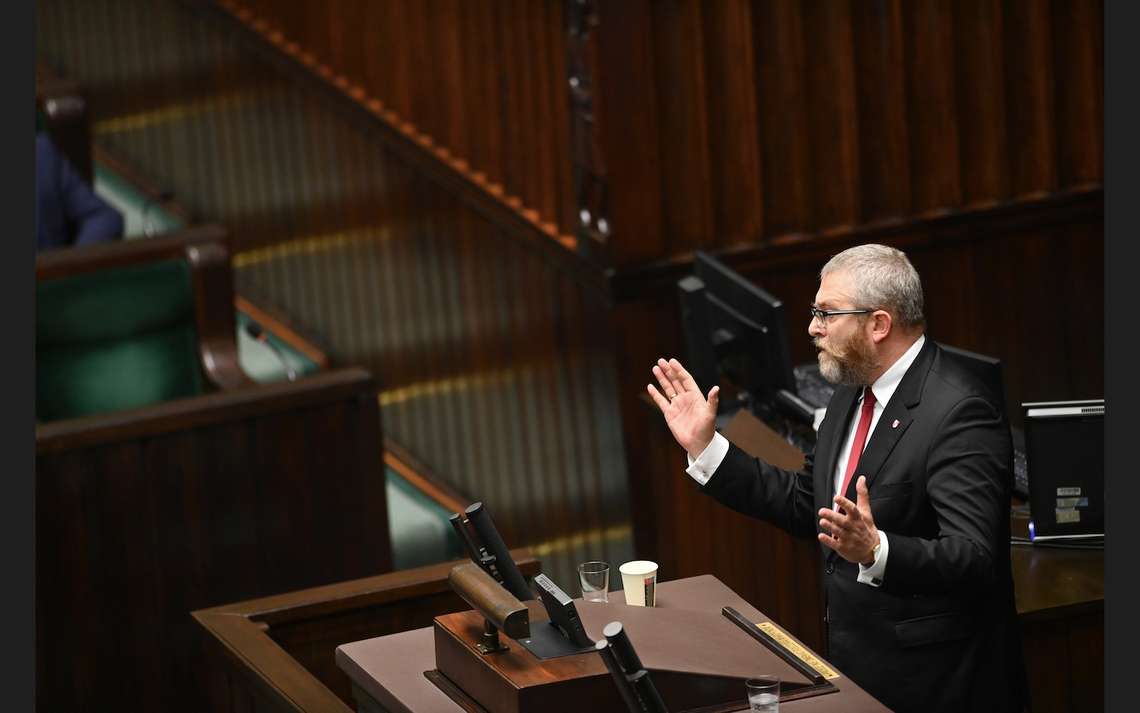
257 333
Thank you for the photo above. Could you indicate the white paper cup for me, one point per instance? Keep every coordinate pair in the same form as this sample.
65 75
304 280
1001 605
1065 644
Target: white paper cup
639 579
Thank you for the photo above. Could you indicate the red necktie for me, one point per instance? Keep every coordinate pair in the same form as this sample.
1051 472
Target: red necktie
860 437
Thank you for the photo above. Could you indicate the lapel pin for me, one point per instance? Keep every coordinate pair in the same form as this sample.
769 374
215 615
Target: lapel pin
895 424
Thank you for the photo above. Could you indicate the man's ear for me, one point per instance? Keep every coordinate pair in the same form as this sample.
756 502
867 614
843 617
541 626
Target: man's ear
880 325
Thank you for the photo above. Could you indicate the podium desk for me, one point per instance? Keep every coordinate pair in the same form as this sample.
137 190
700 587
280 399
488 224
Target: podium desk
390 674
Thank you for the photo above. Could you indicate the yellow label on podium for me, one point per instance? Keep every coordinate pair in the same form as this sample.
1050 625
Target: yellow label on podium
800 652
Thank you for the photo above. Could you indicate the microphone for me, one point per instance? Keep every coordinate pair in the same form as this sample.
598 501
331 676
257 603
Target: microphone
257 333
512 578
148 227
629 663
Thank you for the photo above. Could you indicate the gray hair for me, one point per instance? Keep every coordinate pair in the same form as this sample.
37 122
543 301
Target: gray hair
881 277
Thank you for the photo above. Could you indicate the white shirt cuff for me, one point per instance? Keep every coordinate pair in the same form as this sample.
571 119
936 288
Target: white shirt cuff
873 575
703 467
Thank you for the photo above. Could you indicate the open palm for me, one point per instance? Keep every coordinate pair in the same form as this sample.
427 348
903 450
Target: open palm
690 416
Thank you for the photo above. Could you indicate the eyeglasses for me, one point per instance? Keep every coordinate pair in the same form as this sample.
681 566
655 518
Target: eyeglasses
823 314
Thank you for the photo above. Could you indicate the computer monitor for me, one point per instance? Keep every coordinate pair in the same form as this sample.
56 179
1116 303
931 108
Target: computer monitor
736 332
986 368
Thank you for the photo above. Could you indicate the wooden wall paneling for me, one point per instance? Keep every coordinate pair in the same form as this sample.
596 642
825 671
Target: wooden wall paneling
928 39
562 210
881 94
784 151
628 134
1031 97
511 97
551 117
523 142
143 516
495 100
682 96
450 47
734 180
981 106
347 29
831 114
1078 47
1065 663
438 253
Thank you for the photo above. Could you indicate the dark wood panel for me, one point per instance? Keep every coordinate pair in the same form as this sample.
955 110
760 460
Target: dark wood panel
880 82
1031 97
734 149
931 105
831 115
144 517
981 97
279 653
781 101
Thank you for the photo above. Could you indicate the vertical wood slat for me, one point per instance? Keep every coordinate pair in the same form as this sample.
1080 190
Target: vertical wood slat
883 131
832 115
780 90
934 144
1031 102
1078 44
734 151
626 101
679 34
981 101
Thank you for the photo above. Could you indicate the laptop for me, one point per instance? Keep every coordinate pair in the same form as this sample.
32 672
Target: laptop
1064 450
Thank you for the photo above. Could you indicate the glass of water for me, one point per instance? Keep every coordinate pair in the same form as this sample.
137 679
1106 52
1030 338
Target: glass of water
763 694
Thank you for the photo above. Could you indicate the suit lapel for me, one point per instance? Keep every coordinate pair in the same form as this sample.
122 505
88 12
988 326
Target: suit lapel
896 418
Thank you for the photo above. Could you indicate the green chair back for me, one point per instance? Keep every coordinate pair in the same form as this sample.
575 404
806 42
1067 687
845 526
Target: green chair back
116 339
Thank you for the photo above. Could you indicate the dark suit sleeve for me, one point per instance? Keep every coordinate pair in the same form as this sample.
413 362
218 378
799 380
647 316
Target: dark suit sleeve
753 487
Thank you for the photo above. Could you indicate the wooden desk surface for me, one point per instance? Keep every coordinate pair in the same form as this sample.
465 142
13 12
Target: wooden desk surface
390 669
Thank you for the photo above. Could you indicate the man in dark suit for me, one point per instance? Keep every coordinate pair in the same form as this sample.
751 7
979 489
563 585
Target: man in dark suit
915 538
68 212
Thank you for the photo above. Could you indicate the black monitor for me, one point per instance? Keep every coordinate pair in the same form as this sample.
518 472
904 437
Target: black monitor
737 332
988 371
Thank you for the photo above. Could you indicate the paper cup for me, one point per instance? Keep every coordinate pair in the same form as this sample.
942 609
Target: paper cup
639 579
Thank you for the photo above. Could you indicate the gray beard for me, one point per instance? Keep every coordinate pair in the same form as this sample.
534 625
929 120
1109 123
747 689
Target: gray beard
851 363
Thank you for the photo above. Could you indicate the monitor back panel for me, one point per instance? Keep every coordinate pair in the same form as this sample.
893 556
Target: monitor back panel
1064 448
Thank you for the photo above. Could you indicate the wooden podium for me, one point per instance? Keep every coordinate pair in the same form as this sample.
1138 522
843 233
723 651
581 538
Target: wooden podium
697 658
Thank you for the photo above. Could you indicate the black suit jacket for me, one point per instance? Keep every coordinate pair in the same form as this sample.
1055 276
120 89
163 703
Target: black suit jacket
941 632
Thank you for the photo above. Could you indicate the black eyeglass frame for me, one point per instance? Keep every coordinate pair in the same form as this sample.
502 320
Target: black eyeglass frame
823 314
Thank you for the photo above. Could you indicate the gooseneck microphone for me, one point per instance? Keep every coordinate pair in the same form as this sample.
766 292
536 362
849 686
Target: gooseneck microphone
628 666
257 333
504 563
148 226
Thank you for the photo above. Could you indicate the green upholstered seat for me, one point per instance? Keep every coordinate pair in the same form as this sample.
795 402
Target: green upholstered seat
420 527
115 339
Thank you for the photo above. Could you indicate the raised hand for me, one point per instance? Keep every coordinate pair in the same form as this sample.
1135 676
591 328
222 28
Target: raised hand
853 535
690 417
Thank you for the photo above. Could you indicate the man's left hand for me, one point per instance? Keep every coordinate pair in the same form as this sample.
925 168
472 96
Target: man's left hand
852 535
